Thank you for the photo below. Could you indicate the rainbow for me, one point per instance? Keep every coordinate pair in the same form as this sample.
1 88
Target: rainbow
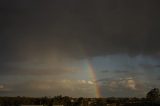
90 69
92 74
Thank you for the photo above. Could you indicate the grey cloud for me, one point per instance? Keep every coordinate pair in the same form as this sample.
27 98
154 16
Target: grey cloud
129 72
114 79
150 66
158 78
36 69
126 87
4 89
43 87
123 73
105 71
139 84
103 79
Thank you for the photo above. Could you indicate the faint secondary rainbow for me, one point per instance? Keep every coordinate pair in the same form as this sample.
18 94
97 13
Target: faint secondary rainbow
92 74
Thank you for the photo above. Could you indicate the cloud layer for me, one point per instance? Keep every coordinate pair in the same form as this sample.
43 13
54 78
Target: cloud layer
53 38
66 27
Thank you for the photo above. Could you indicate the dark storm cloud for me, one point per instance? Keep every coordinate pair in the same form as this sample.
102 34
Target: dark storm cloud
44 37
100 27
39 30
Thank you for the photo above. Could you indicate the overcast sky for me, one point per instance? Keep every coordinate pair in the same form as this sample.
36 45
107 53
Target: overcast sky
47 47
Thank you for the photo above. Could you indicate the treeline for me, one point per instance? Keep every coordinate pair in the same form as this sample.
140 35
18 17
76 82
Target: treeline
69 101
152 99
45 101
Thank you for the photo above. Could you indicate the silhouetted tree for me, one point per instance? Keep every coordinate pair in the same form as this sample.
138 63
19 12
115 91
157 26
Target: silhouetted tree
153 94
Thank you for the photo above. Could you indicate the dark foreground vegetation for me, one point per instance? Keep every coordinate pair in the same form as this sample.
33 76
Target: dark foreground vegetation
152 99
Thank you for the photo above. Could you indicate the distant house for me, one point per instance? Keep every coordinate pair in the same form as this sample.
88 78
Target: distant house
31 105
112 104
40 105
58 105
